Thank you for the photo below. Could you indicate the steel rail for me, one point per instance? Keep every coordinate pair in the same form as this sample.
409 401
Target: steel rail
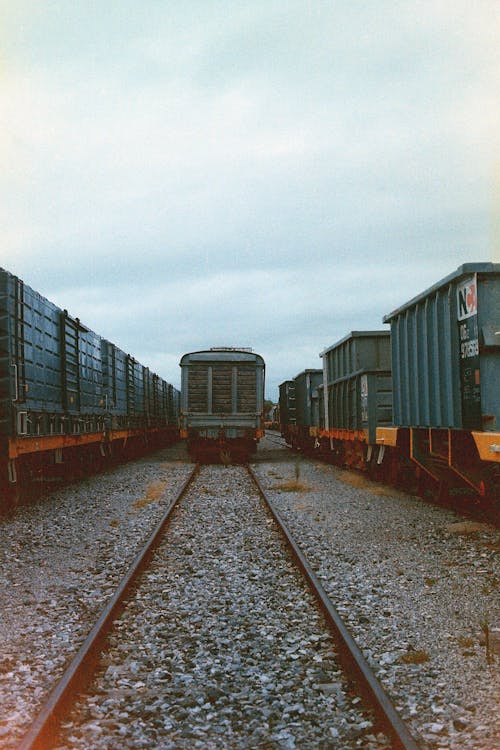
43 732
349 653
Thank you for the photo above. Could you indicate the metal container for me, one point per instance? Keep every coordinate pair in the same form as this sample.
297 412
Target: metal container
30 361
222 394
357 378
66 395
50 365
57 376
287 409
82 383
446 352
114 364
306 384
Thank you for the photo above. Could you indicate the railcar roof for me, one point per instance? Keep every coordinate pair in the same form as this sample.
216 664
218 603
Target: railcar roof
222 355
309 370
465 270
356 334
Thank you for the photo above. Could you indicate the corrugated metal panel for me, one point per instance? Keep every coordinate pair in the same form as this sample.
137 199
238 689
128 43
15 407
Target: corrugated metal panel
288 413
247 389
136 406
34 347
358 382
91 378
305 385
197 391
52 366
7 372
359 350
71 367
222 389
446 352
176 404
114 365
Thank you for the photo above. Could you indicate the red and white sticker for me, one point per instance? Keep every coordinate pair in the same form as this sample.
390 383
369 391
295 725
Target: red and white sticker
467 299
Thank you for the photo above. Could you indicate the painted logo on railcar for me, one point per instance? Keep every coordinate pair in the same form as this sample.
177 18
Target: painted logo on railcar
467 299
468 333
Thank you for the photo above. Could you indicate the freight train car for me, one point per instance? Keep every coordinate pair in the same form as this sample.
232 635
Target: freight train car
356 377
355 397
419 406
287 412
300 408
222 403
69 399
446 376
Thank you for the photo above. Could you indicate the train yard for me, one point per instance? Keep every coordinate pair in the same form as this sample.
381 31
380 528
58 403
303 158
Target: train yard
416 406
241 655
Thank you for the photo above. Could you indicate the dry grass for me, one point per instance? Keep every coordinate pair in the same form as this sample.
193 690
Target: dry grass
293 485
362 481
153 493
225 458
465 642
415 657
493 546
467 527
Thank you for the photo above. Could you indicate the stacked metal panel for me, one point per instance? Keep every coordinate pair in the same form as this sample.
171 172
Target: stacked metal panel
57 376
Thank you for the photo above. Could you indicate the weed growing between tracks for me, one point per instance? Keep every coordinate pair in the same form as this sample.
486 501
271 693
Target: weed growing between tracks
415 657
153 493
292 485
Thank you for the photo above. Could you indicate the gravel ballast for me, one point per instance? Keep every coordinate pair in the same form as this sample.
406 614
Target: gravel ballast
61 559
222 645
417 585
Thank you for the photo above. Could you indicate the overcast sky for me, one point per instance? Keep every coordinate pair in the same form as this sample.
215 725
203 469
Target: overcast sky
181 175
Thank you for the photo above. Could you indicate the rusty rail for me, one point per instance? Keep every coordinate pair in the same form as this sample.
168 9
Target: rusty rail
44 730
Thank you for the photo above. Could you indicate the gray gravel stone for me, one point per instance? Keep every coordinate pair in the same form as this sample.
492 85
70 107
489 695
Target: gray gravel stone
415 584
243 636
60 560
410 579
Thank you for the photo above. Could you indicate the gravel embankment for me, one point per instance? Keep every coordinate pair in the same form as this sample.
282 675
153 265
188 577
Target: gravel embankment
60 560
416 584
222 646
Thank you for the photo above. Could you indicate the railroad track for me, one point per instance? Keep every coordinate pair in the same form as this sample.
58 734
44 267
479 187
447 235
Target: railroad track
206 678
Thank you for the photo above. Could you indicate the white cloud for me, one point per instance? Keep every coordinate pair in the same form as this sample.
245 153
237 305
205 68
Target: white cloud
242 172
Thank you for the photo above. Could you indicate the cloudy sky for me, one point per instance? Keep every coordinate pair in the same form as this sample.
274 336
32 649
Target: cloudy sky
268 173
